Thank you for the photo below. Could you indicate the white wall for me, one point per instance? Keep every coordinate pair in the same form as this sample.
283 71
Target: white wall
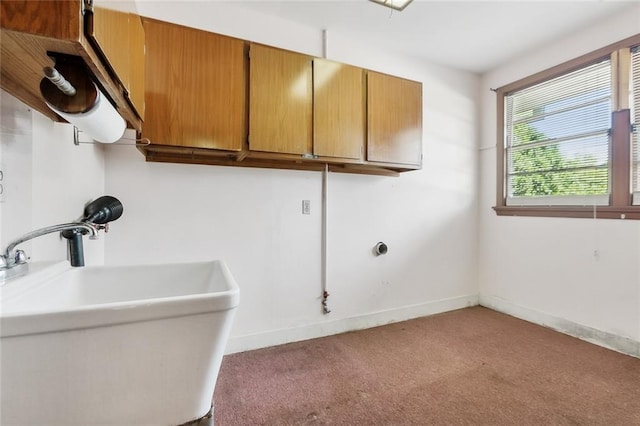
541 269
47 180
581 276
252 218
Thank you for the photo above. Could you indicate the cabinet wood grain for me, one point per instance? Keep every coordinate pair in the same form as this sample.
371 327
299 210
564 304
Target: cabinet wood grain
119 37
136 63
339 106
54 19
110 30
280 102
394 119
195 87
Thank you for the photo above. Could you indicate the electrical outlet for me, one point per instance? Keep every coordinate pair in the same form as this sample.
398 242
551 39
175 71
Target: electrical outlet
306 206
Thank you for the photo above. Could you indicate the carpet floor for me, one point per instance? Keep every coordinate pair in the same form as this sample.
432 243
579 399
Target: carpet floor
473 366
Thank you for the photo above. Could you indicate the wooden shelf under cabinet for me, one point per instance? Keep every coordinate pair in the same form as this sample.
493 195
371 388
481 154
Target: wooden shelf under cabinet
175 154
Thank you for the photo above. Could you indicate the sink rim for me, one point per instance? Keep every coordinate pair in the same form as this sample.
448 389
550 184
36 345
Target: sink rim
34 321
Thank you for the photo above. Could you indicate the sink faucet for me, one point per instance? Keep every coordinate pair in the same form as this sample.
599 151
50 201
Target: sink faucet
12 258
97 215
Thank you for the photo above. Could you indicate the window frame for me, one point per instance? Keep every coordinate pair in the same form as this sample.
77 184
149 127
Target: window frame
620 203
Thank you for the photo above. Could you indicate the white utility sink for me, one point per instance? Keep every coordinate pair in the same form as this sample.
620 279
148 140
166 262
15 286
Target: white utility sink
115 344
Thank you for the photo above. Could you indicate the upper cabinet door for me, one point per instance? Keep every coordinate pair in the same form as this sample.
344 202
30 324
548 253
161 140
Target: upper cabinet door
136 63
119 37
280 105
394 119
339 104
195 88
109 29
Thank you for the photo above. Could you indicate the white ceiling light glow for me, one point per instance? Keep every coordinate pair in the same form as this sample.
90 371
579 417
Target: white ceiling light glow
394 4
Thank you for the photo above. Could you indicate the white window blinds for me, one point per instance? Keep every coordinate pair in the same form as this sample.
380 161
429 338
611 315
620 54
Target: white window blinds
635 118
557 139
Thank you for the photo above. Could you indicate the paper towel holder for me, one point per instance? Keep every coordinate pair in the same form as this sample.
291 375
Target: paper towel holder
129 141
71 93
69 89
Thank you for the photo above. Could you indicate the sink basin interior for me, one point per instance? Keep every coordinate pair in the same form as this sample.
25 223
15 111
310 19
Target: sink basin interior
80 287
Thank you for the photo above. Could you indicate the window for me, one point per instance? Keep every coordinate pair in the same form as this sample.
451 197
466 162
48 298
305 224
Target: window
635 116
567 145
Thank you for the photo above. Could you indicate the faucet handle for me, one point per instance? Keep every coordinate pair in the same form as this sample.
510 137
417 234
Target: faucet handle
10 260
98 227
20 257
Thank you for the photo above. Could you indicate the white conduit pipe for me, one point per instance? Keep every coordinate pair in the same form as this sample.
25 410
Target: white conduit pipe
325 202
325 185
325 43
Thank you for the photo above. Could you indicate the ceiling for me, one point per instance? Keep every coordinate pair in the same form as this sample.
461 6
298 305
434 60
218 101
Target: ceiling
476 36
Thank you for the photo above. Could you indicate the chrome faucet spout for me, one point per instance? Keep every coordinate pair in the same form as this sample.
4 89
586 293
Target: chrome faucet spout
11 258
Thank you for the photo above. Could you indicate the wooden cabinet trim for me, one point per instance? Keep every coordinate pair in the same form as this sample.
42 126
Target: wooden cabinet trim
173 154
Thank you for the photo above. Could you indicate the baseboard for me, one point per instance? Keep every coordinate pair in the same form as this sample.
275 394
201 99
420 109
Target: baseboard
608 340
327 328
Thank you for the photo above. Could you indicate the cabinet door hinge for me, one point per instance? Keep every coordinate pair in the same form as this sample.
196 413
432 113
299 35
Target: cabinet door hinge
87 6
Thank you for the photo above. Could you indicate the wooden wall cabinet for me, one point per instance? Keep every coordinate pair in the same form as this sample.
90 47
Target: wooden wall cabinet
32 30
339 110
280 101
394 120
204 101
196 88
213 99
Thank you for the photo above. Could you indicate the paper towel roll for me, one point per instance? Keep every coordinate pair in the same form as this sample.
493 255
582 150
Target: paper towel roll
101 122
85 107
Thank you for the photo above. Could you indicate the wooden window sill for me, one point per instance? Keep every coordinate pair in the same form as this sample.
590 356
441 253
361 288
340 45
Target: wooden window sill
601 212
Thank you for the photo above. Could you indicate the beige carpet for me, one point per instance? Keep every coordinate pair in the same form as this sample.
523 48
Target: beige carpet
468 367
